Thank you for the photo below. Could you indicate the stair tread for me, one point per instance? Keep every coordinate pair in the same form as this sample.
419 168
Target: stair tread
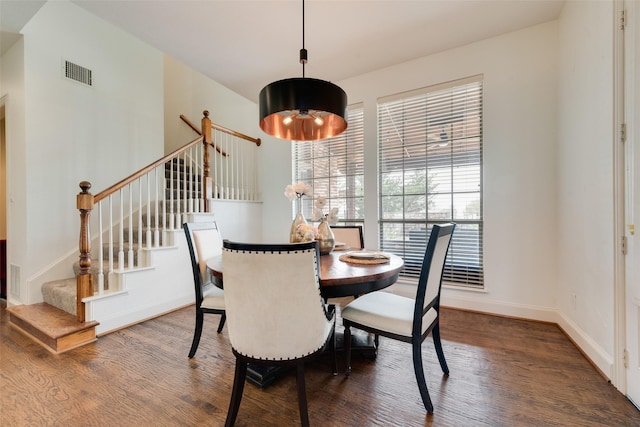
52 321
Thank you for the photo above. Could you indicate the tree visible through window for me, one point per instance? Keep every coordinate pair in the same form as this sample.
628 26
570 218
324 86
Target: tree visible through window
430 171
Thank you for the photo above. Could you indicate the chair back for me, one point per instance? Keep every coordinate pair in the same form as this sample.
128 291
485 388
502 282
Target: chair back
350 235
204 241
430 282
273 302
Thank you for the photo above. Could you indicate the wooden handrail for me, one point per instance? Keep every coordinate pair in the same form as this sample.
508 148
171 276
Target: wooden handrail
256 141
199 132
107 192
115 187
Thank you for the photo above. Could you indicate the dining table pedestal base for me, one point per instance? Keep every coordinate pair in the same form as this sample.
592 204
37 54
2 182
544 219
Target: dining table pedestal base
362 344
263 375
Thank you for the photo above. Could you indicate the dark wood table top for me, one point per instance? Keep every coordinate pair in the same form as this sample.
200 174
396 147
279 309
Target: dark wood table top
341 279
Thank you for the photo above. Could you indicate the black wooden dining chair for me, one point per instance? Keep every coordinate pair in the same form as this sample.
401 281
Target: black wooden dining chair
204 241
406 319
275 313
350 235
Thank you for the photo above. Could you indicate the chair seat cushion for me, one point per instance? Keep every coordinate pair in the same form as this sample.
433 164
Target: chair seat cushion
386 312
213 298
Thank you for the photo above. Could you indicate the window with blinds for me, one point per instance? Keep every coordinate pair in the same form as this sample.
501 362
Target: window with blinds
430 172
335 169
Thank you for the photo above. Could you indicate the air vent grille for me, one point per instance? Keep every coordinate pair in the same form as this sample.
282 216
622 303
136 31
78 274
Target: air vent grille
77 73
15 280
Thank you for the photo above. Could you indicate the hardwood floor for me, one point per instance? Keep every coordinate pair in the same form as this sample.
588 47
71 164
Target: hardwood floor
504 372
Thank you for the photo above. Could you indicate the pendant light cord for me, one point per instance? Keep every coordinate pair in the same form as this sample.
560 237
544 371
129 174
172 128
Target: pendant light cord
303 51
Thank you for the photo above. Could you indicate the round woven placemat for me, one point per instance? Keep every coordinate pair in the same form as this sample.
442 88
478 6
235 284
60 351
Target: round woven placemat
353 260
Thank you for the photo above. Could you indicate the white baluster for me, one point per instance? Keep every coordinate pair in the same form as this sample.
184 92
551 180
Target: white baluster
148 227
172 219
185 194
110 234
100 252
130 252
140 224
156 234
121 233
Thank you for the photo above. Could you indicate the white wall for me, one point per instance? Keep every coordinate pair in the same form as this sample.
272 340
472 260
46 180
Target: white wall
585 175
12 89
519 160
72 132
189 92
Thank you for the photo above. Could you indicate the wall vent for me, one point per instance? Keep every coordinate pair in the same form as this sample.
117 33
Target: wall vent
78 73
15 281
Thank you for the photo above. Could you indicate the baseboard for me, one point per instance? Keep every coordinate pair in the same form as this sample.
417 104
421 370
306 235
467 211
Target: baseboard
591 350
596 355
112 320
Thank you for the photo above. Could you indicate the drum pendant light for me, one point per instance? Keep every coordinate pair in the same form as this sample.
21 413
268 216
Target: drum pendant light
303 109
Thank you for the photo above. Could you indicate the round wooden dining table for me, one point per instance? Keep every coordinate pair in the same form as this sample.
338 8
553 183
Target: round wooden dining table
341 278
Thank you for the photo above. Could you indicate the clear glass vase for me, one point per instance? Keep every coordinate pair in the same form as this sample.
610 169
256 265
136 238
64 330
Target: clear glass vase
294 236
326 239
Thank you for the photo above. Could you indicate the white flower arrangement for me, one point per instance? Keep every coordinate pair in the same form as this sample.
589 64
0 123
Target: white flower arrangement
298 190
318 214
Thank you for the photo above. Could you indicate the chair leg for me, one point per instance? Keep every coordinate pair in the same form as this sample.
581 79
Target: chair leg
236 394
302 395
221 324
435 332
347 349
422 384
197 333
332 349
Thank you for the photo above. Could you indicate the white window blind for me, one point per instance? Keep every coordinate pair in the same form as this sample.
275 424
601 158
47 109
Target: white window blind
430 171
335 169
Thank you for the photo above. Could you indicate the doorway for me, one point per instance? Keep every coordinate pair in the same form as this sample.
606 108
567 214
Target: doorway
631 96
3 202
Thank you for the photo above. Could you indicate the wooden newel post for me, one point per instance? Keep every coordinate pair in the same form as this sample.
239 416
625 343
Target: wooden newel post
206 140
84 279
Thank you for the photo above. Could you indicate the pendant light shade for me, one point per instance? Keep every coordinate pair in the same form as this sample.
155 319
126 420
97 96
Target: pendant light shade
303 109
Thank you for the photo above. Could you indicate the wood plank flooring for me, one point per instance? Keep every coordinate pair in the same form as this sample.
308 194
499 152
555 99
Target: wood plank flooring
504 372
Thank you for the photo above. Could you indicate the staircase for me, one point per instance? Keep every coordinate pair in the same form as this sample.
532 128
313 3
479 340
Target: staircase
178 177
136 265
53 323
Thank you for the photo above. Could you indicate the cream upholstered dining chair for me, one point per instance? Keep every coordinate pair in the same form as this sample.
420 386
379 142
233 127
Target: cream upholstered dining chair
350 235
405 319
204 241
275 313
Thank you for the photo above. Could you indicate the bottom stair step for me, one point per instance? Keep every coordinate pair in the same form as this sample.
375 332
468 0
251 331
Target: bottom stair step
55 329
61 294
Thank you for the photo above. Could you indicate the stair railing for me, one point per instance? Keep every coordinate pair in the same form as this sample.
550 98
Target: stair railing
155 200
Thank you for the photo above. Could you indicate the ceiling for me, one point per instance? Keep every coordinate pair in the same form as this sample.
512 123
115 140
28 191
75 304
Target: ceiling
247 44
